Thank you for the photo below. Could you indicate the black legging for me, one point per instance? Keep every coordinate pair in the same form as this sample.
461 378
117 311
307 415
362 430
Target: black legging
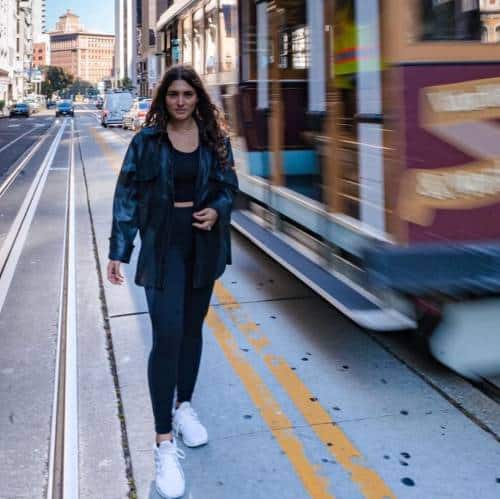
177 312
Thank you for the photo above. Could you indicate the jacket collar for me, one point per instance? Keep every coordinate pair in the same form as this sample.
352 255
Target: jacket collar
151 130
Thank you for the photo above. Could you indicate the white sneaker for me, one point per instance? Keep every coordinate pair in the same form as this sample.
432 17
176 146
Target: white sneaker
185 423
169 481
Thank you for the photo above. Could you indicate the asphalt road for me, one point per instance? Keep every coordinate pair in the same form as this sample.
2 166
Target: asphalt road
20 133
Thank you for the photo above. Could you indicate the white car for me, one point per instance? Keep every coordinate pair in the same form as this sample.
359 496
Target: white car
135 118
34 104
116 104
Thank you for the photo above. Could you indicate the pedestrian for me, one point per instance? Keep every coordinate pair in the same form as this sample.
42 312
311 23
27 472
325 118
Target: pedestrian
176 187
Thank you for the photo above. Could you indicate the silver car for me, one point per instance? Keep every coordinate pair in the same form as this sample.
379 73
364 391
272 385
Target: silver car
115 105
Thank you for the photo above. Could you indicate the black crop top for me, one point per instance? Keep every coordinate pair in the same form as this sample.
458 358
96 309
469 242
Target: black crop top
185 170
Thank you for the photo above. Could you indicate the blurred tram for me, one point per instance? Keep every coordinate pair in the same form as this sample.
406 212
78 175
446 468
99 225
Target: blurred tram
367 142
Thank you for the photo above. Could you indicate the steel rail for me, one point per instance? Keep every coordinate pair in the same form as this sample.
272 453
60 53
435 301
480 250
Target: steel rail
63 458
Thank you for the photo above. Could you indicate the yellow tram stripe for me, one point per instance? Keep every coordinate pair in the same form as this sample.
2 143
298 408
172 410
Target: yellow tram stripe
342 449
280 426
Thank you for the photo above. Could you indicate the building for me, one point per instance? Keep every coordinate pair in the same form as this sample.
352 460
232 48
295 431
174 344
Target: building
149 58
41 40
490 19
8 37
24 49
69 23
128 33
40 54
39 19
87 56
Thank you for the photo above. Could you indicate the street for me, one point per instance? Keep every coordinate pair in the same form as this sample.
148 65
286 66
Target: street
298 400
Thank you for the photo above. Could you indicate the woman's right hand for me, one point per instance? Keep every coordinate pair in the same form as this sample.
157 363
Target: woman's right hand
114 274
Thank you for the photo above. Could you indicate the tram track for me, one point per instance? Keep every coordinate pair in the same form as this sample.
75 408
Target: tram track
63 455
24 160
63 451
490 389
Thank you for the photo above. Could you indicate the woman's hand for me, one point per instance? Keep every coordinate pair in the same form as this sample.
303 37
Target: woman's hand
114 274
205 219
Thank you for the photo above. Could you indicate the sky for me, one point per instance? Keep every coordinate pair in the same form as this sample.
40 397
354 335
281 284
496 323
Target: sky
95 15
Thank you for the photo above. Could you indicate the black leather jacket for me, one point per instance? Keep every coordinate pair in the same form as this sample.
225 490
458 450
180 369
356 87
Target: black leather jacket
144 200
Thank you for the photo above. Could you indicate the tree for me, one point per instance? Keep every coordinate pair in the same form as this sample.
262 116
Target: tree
56 80
79 87
126 83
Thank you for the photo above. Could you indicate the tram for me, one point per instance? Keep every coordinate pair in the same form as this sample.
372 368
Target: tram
367 141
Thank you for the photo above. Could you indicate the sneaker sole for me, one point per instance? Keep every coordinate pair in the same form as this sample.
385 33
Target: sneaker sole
189 444
178 434
162 494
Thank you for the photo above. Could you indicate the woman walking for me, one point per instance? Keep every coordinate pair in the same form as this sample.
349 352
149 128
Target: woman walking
176 187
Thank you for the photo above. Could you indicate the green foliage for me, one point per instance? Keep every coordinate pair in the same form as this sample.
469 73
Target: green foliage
2 104
56 80
126 83
79 87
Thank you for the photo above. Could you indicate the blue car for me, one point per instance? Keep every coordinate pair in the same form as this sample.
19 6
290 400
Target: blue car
65 108
20 109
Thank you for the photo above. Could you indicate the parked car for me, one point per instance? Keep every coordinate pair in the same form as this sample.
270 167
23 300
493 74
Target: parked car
34 104
135 118
116 104
65 108
20 109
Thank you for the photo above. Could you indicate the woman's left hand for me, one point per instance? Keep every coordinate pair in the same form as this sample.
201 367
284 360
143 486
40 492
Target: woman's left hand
205 219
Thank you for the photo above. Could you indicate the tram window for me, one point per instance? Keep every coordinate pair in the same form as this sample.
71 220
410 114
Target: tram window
284 43
345 70
300 48
294 48
198 41
443 20
187 40
294 41
211 60
229 35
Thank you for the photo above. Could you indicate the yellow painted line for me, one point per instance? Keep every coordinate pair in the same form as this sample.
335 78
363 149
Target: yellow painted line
280 426
114 159
371 485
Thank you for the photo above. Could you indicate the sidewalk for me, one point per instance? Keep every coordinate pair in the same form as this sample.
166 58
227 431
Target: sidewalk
297 400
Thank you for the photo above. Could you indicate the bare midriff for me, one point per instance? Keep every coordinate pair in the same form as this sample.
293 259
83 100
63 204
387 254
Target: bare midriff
183 204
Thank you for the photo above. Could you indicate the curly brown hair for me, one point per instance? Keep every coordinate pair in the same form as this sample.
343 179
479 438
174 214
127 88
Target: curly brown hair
209 118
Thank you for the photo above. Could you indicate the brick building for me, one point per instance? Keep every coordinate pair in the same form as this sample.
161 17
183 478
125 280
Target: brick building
87 56
40 54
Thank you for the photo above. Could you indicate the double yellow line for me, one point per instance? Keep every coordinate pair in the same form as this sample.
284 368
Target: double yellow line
330 434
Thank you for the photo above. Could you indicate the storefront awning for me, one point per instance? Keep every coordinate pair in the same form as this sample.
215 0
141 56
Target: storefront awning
173 11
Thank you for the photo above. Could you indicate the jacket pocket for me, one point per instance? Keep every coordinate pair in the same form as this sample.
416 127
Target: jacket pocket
147 178
147 171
